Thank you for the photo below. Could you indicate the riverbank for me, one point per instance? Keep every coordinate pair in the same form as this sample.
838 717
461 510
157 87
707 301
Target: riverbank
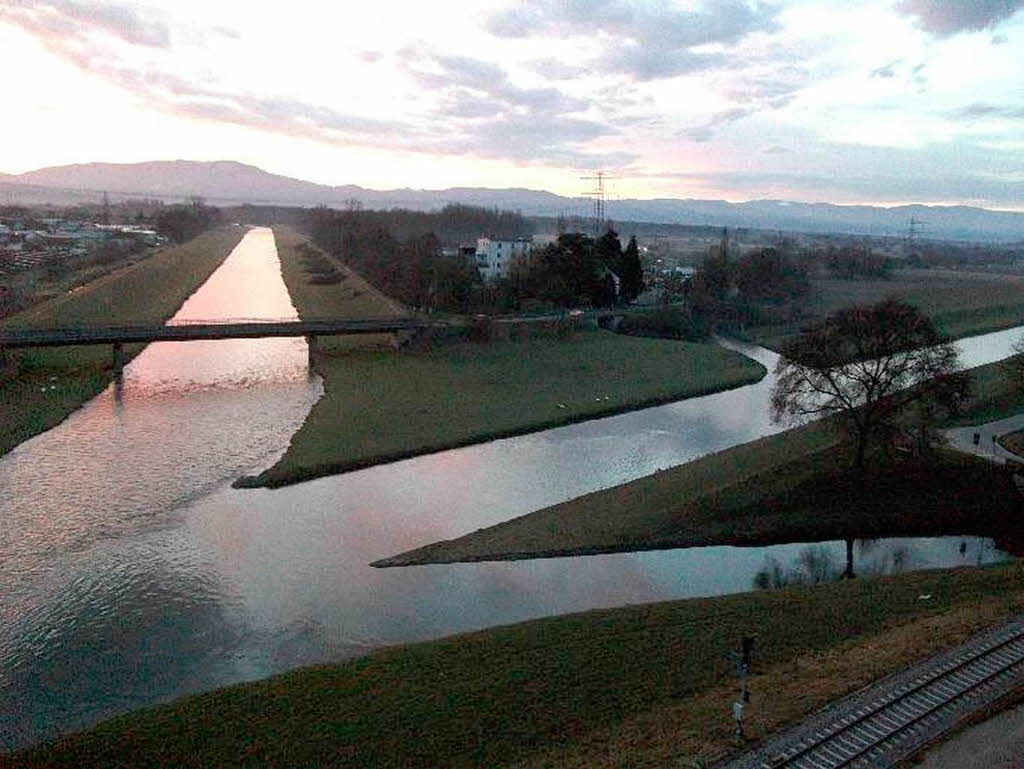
52 382
381 406
795 486
640 686
1014 442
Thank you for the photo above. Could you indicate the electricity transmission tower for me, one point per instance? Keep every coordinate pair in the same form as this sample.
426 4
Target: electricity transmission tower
913 230
598 194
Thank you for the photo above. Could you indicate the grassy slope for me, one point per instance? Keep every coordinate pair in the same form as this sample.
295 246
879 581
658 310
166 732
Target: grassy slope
425 400
993 396
638 686
793 486
151 290
960 304
352 298
1013 442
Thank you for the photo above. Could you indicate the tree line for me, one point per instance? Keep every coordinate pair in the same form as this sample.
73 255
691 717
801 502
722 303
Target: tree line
416 272
763 285
401 252
185 221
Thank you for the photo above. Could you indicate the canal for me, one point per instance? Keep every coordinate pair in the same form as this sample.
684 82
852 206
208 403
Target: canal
132 573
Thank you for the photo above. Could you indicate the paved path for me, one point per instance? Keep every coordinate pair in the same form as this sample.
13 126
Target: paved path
962 438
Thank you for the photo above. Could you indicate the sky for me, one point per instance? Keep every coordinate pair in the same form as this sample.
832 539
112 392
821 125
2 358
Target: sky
883 102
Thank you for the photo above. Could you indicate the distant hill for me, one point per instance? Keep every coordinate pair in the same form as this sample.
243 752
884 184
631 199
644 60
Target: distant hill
229 182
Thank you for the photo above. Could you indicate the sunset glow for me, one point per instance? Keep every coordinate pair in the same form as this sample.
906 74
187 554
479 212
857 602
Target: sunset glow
878 102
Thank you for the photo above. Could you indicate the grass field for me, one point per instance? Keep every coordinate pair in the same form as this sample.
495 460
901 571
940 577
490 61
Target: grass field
959 303
797 486
642 686
793 486
993 396
385 405
353 297
53 382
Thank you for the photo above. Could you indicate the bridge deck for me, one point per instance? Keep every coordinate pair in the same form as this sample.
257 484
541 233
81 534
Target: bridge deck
181 332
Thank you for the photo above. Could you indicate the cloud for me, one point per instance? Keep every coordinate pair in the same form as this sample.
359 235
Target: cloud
484 113
980 110
479 110
555 69
645 63
68 18
949 17
979 188
530 141
457 77
888 71
646 41
974 173
228 32
706 130
90 23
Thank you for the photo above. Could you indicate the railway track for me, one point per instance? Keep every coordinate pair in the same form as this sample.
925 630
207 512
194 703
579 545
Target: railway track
886 723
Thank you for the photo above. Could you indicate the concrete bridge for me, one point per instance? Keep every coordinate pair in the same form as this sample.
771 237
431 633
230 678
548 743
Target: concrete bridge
252 328
183 331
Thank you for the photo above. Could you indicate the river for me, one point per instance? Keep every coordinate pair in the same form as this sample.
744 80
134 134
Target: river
131 573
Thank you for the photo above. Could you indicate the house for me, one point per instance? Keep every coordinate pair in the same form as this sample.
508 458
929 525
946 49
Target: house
494 257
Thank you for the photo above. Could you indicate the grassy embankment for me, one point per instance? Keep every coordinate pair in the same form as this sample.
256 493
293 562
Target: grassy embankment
959 303
53 382
642 686
1013 442
380 406
796 486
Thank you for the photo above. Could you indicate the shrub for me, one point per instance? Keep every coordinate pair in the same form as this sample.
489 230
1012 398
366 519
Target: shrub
666 323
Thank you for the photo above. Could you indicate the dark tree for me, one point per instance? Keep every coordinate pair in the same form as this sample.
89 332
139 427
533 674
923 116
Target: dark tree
858 261
632 273
608 250
869 364
184 222
714 278
1013 367
771 275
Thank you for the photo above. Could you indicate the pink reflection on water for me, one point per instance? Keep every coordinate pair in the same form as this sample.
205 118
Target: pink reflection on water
248 284
187 418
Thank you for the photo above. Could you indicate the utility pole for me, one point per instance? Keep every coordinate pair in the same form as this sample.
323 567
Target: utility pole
744 661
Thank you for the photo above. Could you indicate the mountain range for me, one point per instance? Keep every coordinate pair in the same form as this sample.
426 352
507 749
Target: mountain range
229 182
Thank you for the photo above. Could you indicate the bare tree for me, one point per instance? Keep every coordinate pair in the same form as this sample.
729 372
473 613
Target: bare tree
869 364
1014 367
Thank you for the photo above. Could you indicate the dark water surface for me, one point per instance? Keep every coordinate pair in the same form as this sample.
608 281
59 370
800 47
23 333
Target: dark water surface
131 573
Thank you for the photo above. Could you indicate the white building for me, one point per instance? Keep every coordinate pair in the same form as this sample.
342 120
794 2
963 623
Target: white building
494 257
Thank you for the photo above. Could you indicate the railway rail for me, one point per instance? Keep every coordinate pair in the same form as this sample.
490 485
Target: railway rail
888 722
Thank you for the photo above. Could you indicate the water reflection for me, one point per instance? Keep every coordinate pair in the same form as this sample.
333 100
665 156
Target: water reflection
102 607
130 571
825 561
